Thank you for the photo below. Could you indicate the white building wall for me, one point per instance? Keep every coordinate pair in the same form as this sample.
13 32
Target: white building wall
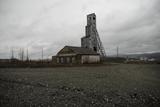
90 59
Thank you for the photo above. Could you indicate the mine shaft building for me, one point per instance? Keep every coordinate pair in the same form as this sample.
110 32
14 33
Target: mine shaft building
91 50
76 55
91 40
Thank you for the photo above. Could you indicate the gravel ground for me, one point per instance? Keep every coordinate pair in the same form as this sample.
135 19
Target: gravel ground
19 87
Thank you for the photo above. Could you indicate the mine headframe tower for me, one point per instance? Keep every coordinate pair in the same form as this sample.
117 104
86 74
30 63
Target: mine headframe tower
91 39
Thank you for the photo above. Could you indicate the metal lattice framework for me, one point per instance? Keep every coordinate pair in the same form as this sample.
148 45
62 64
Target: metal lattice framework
100 45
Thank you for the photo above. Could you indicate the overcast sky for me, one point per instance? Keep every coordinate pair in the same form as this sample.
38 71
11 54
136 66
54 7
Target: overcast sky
133 25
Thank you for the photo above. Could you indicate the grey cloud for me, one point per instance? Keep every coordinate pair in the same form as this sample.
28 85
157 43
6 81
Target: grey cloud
138 33
131 25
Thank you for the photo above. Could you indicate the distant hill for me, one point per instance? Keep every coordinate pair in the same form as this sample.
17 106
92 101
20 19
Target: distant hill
155 55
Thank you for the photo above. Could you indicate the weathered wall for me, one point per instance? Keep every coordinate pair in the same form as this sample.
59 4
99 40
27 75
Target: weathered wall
90 41
90 59
77 59
66 59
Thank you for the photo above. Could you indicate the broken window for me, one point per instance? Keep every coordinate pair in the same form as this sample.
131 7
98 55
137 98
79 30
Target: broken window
61 60
73 59
95 49
57 60
68 59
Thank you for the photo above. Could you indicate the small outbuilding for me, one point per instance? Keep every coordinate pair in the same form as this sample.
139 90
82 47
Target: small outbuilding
76 55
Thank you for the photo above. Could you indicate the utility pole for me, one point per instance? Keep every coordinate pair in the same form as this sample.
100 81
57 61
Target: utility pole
19 54
12 57
22 54
27 55
117 51
42 54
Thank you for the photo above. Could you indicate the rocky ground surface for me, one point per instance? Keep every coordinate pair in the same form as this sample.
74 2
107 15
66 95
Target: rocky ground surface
123 85
19 93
